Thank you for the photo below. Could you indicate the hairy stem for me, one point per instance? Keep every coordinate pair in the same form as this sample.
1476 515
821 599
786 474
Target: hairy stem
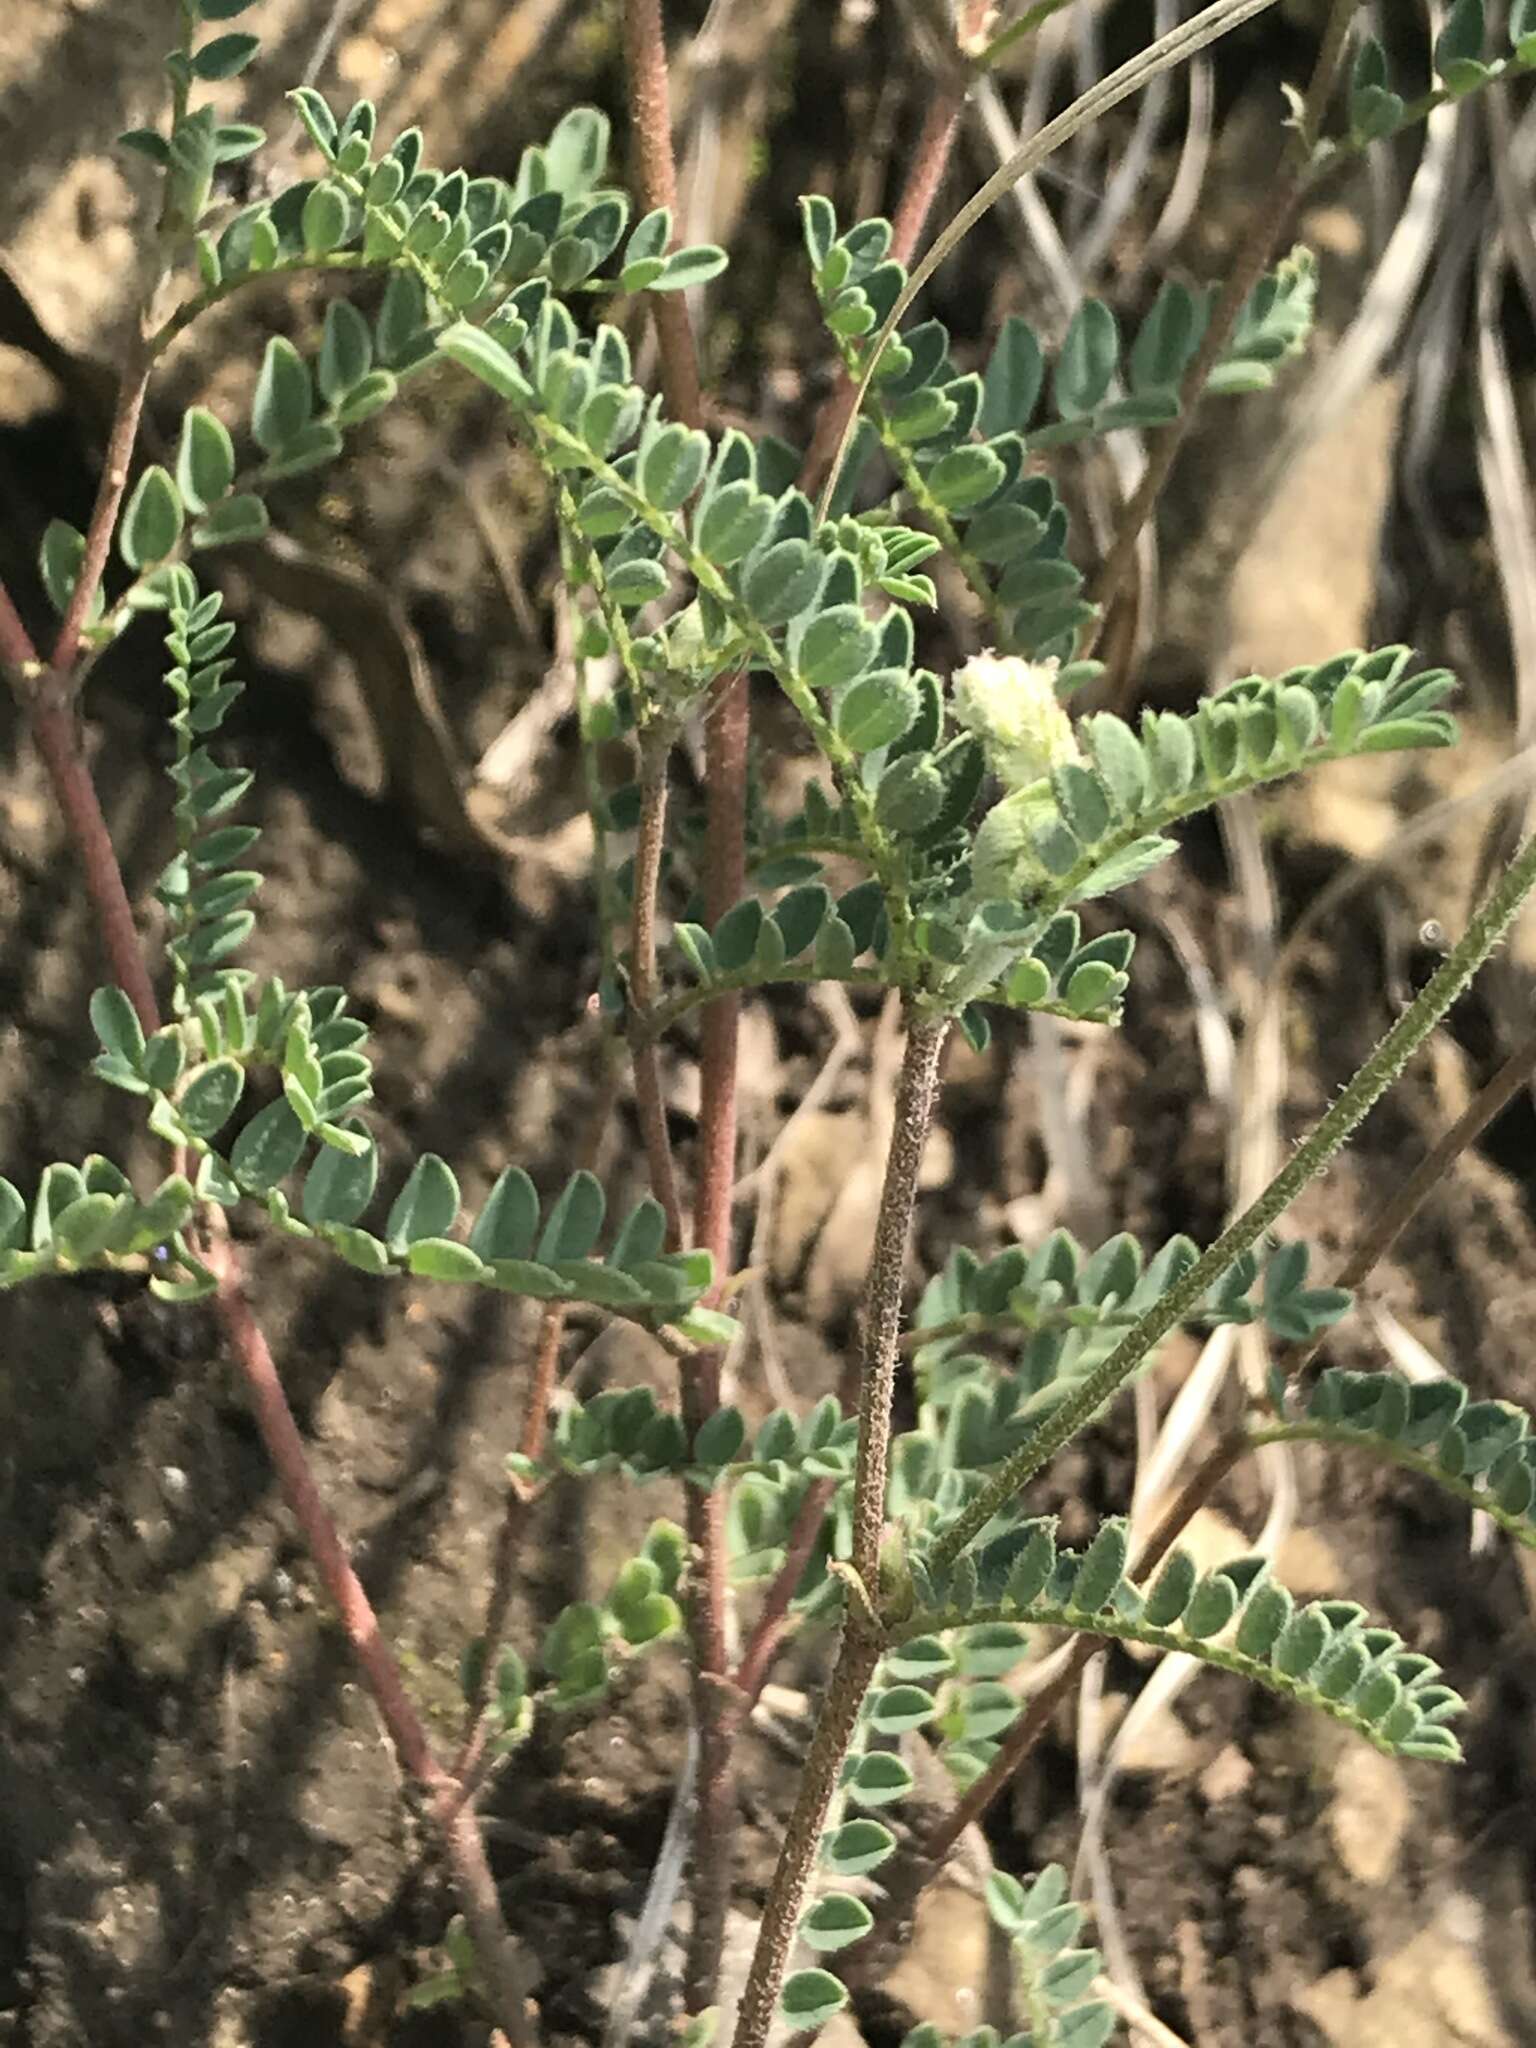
726 737
649 846
650 106
1256 252
916 1089
858 1655
860 1647
1484 930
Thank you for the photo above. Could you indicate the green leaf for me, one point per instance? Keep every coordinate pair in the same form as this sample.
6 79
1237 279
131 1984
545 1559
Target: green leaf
685 268
810 1998
284 400
205 459
574 1221
1126 866
225 57
311 448
211 1097
442 1258
152 522
720 1438
324 221
671 467
1015 372
901 1707
910 795
346 351
834 646
147 142
268 1149
242 518
1090 351
835 1922
877 1779
735 937
783 581
859 1846
339 1185
877 709
116 1024
965 477
506 1226
59 559
484 357
1460 42
1167 339
426 1206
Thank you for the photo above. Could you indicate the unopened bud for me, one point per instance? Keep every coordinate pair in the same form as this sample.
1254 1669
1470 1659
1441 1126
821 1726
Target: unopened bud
1012 707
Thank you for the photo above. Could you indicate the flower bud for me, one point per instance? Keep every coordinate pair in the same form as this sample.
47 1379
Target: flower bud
1011 706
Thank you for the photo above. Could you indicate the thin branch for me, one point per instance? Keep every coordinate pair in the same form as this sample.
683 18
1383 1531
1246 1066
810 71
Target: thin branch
58 743
98 535
916 1089
860 1647
649 846
1393 1218
645 61
727 731
773 1622
857 1657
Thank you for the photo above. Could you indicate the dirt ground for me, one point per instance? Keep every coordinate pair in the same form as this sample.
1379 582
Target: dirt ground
203 1841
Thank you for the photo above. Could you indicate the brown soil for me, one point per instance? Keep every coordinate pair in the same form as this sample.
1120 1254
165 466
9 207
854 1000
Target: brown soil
204 1838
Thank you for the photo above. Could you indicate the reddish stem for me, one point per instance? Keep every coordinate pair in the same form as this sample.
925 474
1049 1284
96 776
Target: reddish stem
649 1097
98 538
726 734
645 59
773 1622
54 730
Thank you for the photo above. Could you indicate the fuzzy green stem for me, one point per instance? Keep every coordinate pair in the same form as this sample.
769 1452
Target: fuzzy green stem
857 1658
1486 927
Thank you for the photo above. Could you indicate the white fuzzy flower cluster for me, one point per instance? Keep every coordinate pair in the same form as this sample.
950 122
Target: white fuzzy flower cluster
1012 707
